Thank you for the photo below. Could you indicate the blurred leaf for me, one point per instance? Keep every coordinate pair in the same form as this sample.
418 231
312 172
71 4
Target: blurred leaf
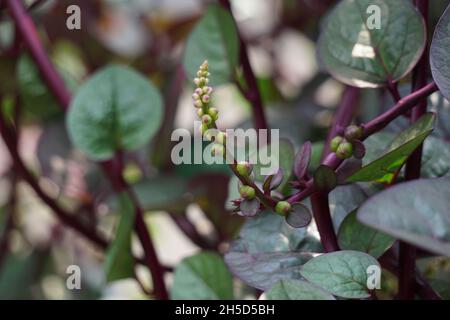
342 273
272 182
438 54
325 178
215 39
384 168
119 261
19 274
34 93
415 212
249 208
288 289
202 277
267 250
362 55
116 109
353 235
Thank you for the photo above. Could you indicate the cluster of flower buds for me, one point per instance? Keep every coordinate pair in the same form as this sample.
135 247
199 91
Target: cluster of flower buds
344 146
207 114
245 169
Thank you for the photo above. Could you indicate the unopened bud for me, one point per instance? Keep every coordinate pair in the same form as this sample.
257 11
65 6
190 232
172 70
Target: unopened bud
244 168
221 138
345 150
206 119
247 192
335 142
214 113
283 208
205 99
353 133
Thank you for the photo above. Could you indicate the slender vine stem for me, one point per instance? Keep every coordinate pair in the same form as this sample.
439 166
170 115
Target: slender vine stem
322 216
252 94
407 253
55 83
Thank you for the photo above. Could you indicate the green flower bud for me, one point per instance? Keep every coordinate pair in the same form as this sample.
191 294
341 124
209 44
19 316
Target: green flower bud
345 150
214 113
200 112
283 208
206 119
221 138
247 192
244 168
353 133
335 142
198 104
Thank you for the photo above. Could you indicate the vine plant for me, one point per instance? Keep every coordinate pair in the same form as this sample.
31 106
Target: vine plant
404 210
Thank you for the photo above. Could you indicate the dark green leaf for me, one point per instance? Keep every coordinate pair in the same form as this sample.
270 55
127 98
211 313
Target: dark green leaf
119 262
288 289
202 277
439 54
353 235
215 39
268 249
416 212
117 109
342 273
358 53
325 178
384 168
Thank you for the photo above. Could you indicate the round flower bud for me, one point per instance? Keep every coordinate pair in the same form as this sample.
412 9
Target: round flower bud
345 150
244 168
198 91
206 119
335 142
353 133
197 81
247 192
221 138
198 104
200 112
205 98
283 208
195 96
214 113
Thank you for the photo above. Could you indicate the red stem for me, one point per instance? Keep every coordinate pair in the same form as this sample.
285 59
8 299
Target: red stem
253 94
407 253
322 216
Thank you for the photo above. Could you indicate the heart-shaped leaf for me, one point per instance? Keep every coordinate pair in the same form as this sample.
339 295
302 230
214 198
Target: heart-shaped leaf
342 273
415 212
353 235
366 43
288 289
117 109
119 262
215 39
384 168
202 277
439 53
268 250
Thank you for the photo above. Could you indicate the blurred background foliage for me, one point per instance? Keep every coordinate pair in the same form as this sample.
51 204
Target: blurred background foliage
150 36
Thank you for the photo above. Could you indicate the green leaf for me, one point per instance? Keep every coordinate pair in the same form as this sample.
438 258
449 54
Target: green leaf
34 93
353 235
360 54
215 39
285 155
202 277
415 212
384 168
325 178
119 262
342 273
440 68
288 289
117 109
267 250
